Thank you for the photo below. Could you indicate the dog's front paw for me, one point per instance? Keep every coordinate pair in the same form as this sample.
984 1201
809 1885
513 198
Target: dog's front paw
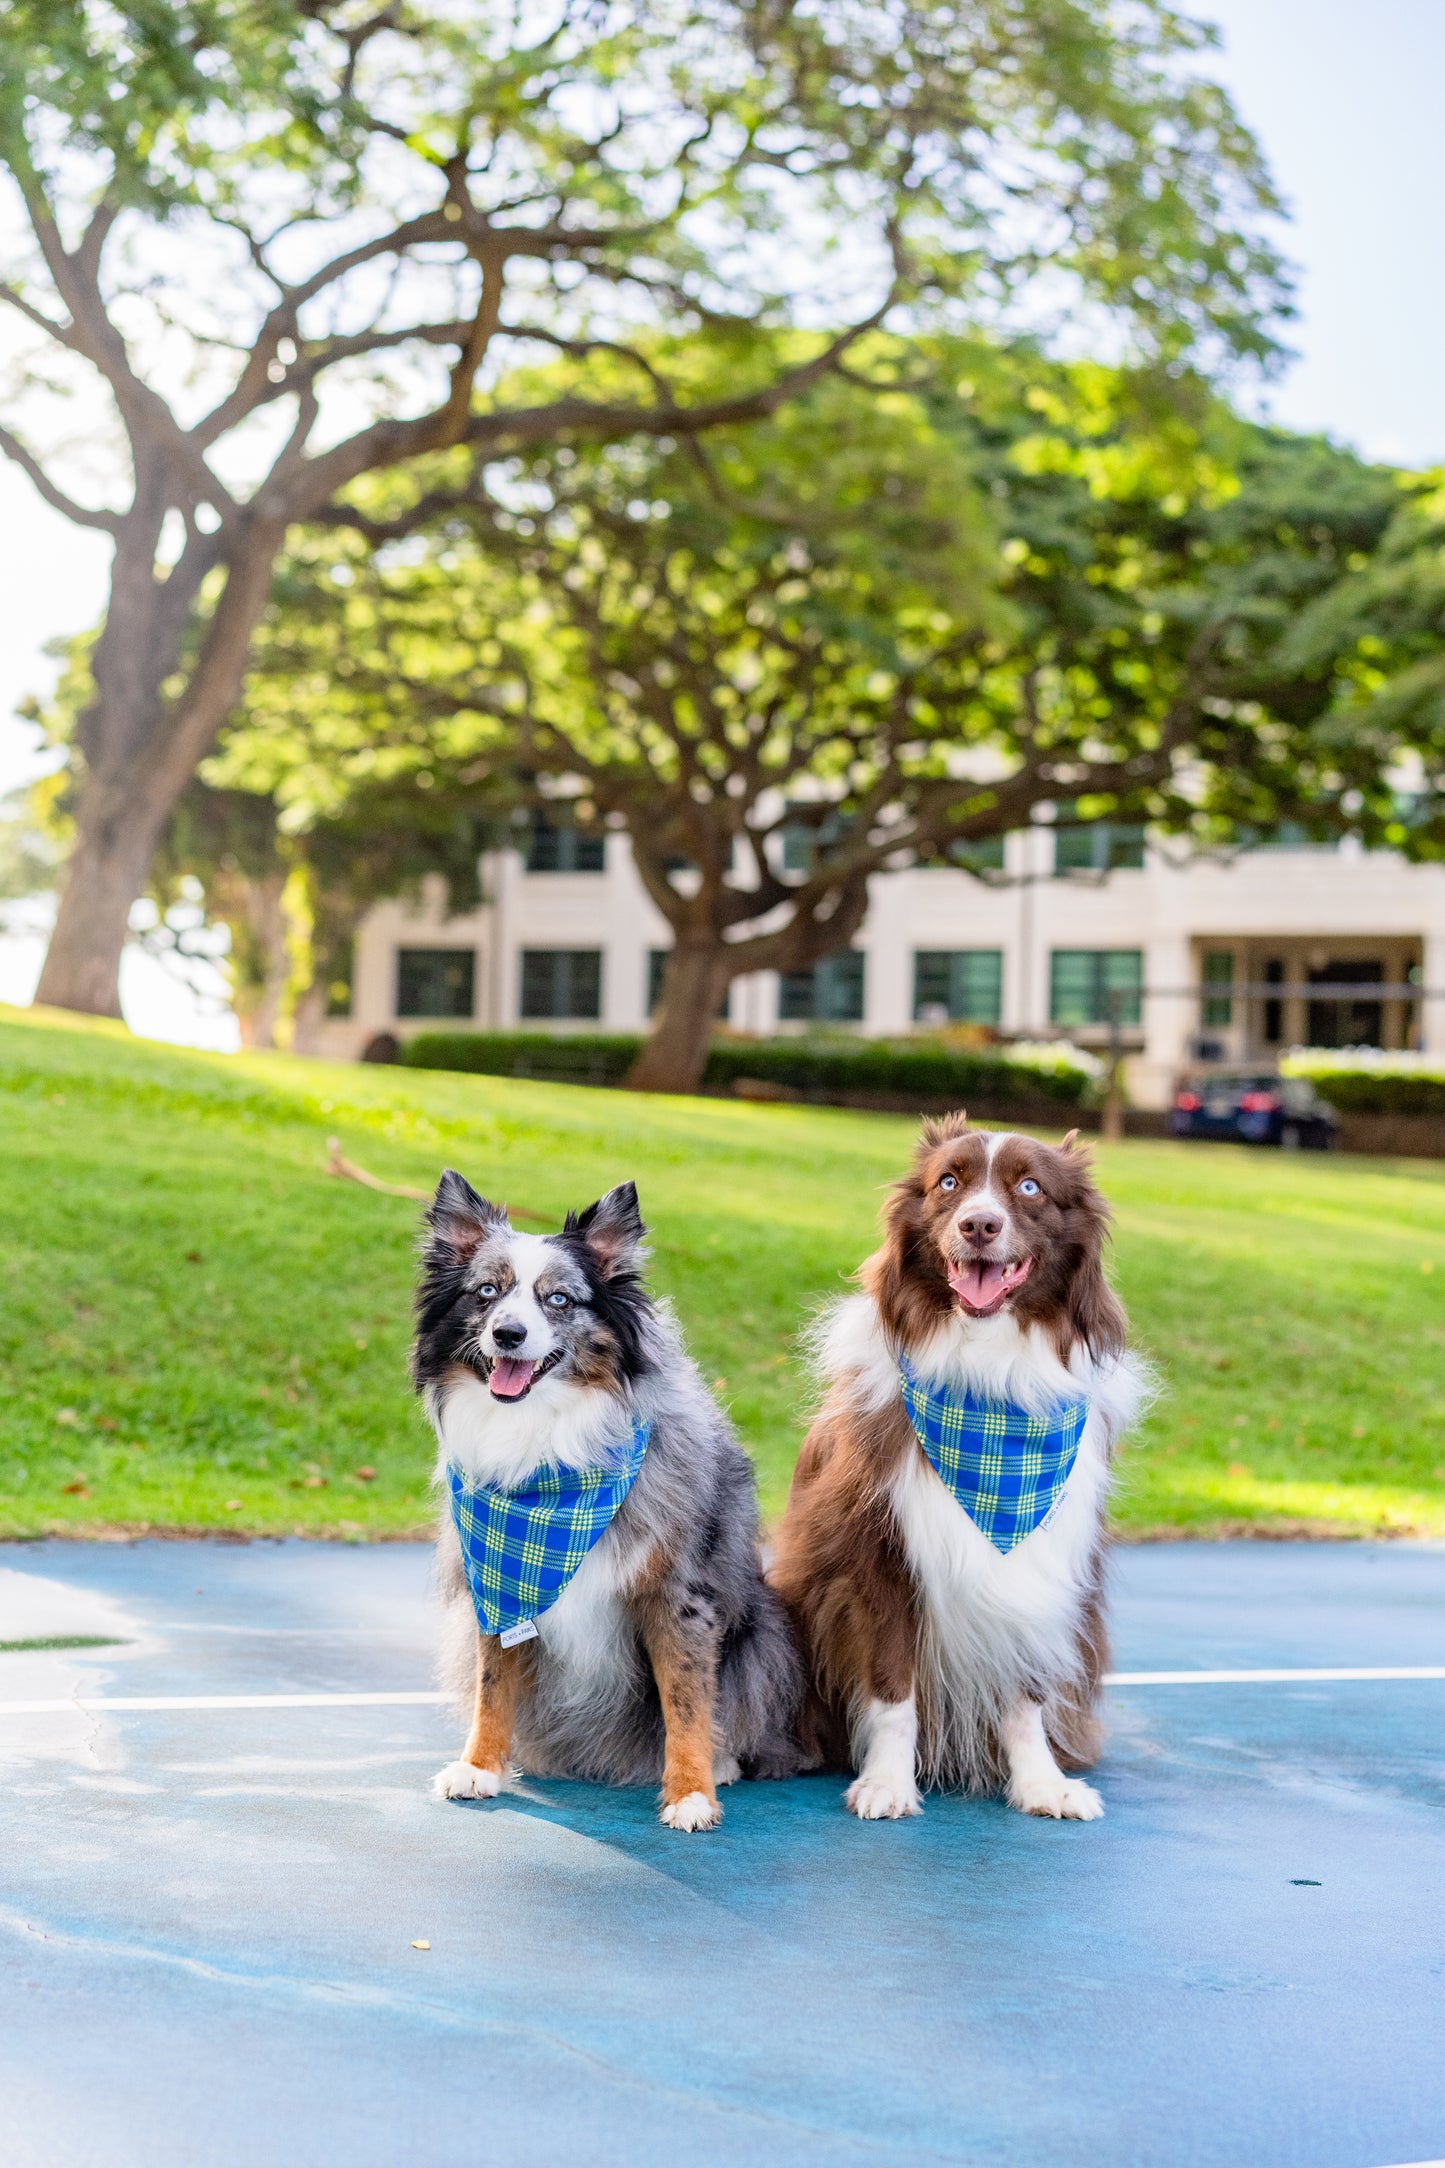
882 1799
726 1769
693 1811
1064 1799
463 1780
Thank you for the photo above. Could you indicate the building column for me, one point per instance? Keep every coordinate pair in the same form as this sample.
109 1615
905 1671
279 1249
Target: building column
503 966
888 966
1029 857
1171 1019
1432 1004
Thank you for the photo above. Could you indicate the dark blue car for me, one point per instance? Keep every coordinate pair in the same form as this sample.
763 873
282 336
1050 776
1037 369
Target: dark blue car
1254 1106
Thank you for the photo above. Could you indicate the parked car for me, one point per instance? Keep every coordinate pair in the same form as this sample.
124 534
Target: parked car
1254 1106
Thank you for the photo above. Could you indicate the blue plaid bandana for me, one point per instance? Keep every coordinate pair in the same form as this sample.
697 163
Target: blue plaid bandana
1006 1468
521 1547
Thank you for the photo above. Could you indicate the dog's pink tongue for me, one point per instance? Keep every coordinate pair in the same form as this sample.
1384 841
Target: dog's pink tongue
978 1286
510 1377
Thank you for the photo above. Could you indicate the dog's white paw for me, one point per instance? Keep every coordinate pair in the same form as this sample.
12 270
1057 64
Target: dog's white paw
694 1811
726 1770
1065 1799
463 1780
882 1799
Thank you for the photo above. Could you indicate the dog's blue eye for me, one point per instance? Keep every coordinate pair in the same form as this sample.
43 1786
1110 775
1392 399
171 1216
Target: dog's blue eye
558 1301
487 1291
950 1181
1028 1187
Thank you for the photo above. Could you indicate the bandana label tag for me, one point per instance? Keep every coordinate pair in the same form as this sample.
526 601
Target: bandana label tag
524 1630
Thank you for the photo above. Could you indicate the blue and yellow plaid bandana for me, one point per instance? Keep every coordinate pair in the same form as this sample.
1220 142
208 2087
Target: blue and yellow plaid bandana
1006 1468
521 1547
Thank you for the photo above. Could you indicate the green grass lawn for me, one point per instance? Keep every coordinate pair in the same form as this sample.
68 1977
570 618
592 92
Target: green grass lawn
199 1328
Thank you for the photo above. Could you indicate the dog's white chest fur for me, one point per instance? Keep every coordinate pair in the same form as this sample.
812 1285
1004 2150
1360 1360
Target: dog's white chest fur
586 1633
1003 1611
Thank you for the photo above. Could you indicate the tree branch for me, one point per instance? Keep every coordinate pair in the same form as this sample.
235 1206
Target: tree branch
82 514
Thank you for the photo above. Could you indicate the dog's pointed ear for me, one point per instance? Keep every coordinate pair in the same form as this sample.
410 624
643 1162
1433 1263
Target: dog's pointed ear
612 1228
459 1216
1069 1141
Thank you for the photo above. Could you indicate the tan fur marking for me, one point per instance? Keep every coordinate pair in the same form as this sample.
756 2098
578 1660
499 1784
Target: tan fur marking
686 1675
489 1741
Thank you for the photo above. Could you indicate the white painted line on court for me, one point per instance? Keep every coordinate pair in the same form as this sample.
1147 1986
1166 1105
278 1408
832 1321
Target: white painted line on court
85 1702
82 1703
1273 1678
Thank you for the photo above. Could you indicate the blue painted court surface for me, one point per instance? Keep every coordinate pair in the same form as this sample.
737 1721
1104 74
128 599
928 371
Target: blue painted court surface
207 1914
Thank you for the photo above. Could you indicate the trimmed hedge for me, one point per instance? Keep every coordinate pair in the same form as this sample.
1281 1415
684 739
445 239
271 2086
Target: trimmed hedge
895 1069
1379 1091
592 1057
911 1070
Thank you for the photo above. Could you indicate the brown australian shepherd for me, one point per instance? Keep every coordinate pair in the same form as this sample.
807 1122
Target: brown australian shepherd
938 1658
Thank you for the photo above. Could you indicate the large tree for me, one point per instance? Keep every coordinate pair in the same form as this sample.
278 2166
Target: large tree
885 627
266 247
291 891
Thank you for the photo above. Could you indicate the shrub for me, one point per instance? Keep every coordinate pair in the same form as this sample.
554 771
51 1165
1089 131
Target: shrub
918 1071
1380 1085
591 1057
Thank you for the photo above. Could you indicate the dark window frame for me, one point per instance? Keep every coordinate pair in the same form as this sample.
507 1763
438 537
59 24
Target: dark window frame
941 979
1217 969
1096 967
412 998
570 986
801 841
1102 846
562 847
831 991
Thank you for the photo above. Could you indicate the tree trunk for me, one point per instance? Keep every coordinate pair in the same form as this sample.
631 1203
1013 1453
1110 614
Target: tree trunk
674 1057
260 957
141 753
117 828
309 1017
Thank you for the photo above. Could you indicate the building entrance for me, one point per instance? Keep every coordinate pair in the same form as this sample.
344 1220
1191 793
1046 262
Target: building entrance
1349 1020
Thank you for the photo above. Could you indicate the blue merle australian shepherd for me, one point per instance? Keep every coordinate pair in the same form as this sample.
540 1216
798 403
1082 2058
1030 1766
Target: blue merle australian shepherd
606 1613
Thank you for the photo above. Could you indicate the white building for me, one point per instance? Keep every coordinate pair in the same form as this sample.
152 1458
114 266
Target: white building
1067 923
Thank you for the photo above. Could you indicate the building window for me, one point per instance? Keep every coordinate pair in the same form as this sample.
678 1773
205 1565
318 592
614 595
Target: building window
957 986
831 992
435 981
1274 1007
560 847
804 841
1218 971
656 965
984 856
1096 846
1095 986
561 982
1289 836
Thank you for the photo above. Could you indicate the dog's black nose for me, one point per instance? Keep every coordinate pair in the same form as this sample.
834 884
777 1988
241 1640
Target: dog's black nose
981 1227
509 1337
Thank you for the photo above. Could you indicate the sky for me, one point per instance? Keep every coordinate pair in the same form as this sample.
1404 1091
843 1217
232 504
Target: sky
1346 100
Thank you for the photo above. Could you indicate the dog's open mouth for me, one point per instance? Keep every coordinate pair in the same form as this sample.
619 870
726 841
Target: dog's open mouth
513 1376
984 1286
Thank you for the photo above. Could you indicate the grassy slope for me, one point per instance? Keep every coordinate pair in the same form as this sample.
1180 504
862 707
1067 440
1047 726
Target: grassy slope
202 1329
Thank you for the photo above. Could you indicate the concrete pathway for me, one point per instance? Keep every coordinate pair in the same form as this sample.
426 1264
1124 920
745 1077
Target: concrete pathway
208 1913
